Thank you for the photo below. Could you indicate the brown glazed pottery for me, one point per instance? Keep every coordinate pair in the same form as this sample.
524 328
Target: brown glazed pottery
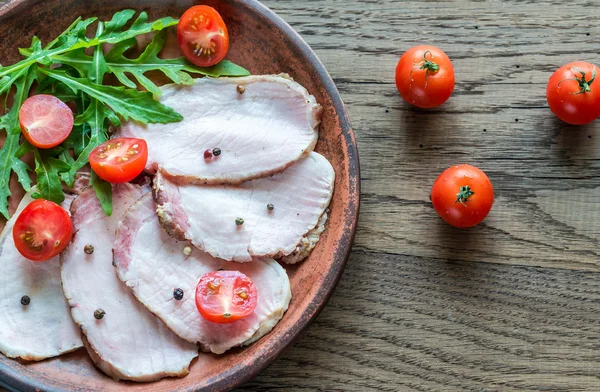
264 44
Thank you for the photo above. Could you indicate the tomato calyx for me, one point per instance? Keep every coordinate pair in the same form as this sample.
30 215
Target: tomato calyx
429 65
584 85
465 193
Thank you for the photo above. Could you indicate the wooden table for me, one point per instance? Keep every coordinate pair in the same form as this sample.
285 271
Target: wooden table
511 305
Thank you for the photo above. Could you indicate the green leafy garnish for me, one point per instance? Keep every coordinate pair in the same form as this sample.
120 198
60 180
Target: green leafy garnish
65 69
10 152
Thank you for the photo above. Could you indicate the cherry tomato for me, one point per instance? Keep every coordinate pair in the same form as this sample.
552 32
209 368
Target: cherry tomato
203 36
462 195
119 160
225 296
570 93
425 76
46 121
42 230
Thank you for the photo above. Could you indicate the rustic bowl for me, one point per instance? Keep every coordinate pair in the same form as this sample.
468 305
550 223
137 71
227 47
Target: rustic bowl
264 44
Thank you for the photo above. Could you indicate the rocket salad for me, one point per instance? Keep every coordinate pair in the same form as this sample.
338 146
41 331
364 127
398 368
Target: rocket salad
72 68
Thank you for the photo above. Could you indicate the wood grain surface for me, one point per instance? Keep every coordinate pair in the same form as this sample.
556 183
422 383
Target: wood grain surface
511 305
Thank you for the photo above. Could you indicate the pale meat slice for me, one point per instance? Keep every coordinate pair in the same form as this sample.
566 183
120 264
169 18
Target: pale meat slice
260 132
44 328
154 264
128 342
206 215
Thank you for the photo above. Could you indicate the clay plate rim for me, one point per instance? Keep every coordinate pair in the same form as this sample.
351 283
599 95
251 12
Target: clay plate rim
243 372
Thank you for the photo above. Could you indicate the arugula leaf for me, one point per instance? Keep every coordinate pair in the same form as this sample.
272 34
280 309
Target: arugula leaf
47 169
64 69
9 160
128 103
103 191
7 81
119 65
96 114
74 38
114 33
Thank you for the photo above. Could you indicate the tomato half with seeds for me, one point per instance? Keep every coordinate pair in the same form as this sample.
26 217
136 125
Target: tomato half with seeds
225 296
203 36
42 230
462 195
425 76
45 120
572 95
119 160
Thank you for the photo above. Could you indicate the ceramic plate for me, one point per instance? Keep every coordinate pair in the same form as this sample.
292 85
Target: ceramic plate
263 43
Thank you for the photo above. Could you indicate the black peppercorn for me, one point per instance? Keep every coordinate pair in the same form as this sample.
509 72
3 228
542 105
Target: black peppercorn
88 249
239 221
270 207
178 294
99 314
25 300
216 152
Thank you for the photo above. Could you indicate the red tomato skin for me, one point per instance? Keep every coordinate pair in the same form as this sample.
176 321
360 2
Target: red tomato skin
35 108
210 305
419 87
447 186
562 97
58 227
191 35
119 172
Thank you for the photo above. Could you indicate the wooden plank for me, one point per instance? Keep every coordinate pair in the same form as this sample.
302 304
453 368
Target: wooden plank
422 306
546 174
400 323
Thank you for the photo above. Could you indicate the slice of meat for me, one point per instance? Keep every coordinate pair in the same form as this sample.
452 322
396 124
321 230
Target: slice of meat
307 243
260 132
44 328
153 265
207 215
128 342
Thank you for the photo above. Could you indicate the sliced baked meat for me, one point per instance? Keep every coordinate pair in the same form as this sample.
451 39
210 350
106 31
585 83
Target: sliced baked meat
263 217
260 124
123 337
154 264
43 328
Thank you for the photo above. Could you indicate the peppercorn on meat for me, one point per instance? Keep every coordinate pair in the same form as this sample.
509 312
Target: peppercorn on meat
123 337
152 264
263 217
35 322
234 129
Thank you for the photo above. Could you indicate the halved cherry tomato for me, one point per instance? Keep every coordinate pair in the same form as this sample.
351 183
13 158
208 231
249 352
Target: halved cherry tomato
225 296
203 36
425 76
119 160
570 93
42 230
462 195
46 121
